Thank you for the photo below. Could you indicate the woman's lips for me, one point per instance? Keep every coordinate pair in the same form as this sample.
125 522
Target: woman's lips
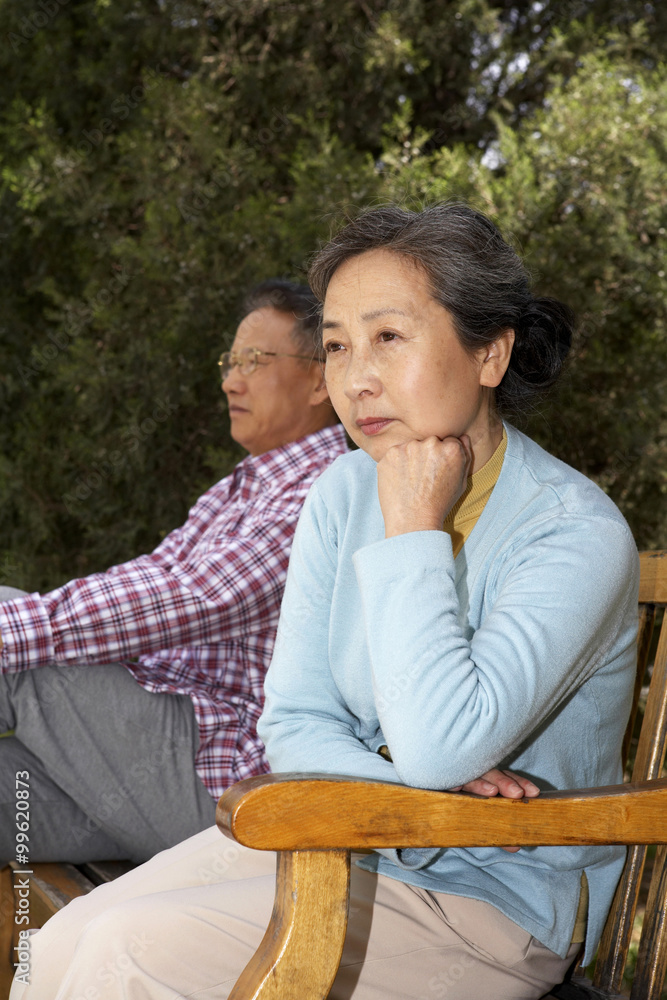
373 425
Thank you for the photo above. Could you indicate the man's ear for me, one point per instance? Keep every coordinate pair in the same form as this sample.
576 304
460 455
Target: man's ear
496 358
318 393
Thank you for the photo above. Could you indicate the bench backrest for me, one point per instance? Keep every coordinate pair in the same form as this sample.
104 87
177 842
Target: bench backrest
651 681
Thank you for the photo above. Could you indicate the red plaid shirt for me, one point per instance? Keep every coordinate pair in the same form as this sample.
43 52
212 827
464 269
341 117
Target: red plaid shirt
200 612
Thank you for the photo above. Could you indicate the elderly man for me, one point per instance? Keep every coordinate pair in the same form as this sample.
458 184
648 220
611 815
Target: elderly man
133 695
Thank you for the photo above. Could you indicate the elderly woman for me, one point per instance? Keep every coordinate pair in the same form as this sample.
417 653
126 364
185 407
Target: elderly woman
457 600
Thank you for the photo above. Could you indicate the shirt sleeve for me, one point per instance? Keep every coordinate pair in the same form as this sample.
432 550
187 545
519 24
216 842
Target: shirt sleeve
450 705
181 595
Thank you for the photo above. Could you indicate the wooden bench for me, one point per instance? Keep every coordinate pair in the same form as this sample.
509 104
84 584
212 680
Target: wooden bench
314 821
51 886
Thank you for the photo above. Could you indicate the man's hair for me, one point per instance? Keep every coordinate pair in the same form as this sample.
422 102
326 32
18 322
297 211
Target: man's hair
295 300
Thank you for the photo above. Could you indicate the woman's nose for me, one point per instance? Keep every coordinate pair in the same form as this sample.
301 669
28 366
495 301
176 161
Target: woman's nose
361 377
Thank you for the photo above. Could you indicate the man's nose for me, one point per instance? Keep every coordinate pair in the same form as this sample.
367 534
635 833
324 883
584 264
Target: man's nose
234 381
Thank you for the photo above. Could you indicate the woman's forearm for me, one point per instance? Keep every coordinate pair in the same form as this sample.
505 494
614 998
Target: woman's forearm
478 697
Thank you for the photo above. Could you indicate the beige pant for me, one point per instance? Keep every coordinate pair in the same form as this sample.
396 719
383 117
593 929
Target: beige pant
185 924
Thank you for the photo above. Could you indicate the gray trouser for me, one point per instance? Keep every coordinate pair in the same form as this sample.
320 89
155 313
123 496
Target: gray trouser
110 766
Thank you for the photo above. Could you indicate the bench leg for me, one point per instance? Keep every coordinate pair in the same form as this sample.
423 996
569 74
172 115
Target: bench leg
300 952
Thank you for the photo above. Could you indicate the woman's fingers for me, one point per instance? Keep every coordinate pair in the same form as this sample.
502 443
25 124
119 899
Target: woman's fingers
505 783
530 789
497 782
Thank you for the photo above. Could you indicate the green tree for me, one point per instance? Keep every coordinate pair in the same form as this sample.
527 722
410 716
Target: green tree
159 157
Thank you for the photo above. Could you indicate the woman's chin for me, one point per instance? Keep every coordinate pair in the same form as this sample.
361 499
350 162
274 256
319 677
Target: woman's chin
376 447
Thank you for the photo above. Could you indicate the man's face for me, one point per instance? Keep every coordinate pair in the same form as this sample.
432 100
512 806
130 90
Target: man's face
274 404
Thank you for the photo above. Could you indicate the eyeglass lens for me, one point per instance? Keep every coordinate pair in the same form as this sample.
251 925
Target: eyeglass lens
246 359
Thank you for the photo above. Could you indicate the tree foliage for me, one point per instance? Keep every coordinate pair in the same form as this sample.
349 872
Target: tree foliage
159 157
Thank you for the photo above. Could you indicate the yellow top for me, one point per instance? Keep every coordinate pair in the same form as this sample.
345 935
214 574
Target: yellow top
581 920
465 513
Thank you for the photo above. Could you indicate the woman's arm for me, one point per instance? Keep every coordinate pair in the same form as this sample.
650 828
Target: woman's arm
333 729
449 705
561 599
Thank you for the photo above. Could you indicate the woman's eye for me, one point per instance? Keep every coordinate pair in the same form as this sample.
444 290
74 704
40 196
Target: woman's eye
388 335
332 347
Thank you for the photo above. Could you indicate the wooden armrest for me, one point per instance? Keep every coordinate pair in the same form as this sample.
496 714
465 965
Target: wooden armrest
287 812
313 821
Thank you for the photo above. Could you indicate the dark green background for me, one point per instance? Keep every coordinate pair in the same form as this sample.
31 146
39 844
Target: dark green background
158 158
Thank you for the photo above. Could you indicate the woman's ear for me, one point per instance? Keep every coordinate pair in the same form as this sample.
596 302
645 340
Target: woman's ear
496 358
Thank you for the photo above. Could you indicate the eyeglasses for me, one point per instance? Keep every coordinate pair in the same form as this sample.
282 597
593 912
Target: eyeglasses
247 360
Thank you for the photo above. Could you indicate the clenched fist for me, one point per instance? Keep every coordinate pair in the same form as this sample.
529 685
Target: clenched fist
420 481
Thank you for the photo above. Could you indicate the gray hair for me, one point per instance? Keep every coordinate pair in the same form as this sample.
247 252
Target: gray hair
292 299
474 274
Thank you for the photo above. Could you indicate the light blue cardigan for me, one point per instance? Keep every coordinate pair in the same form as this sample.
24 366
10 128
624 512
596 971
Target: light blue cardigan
520 653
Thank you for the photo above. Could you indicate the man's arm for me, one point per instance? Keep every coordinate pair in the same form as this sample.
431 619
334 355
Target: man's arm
229 583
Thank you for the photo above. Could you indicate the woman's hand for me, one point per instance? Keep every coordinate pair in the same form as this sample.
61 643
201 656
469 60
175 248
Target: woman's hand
505 783
420 481
496 782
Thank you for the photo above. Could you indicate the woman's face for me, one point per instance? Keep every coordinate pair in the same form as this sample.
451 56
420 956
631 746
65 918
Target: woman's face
395 368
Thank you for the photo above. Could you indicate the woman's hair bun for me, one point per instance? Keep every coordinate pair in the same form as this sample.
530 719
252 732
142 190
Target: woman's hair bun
543 336
551 318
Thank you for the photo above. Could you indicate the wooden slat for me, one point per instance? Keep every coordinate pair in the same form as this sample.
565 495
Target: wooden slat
613 950
581 989
651 966
615 942
653 738
7 954
300 952
644 638
100 872
653 577
311 812
52 886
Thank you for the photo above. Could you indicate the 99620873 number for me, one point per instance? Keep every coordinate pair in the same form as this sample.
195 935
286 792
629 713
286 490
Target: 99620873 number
22 816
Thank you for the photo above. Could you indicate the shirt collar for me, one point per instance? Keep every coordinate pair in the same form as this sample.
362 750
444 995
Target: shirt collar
306 451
